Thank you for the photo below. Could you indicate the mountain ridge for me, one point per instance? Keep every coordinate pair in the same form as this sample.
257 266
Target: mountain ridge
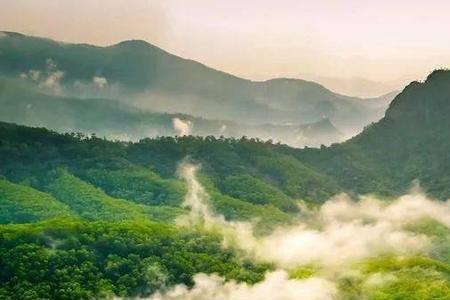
113 119
148 76
384 159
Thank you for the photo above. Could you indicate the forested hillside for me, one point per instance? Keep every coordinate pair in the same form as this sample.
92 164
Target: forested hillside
410 143
385 159
83 217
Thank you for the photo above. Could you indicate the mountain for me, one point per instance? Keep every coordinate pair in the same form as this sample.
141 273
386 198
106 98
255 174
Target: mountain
384 159
359 87
141 74
26 104
87 218
410 143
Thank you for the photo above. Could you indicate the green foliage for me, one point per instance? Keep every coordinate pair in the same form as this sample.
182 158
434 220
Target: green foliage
404 278
302 272
145 172
410 143
254 190
22 204
392 277
139 185
90 202
266 216
164 214
440 235
222 157
63 259
415 284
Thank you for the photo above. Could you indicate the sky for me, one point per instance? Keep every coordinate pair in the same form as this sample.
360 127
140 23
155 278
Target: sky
352 46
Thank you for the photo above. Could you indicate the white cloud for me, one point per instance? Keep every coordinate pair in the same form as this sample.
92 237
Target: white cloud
337 243
276 285
53 80
340 232
182 127
99 82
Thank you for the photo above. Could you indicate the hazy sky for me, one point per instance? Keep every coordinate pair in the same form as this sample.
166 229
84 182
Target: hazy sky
386 41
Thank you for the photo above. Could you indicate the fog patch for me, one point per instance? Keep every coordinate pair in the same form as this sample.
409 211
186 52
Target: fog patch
197 199
182 127
276 285
48 79
377 280
223 128
99 82
33 75
53 80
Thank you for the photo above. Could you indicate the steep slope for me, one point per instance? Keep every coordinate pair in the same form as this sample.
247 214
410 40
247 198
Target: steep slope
89 202
411 142
145 75
23 204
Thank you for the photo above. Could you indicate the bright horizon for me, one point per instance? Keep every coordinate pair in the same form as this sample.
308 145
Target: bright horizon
354 47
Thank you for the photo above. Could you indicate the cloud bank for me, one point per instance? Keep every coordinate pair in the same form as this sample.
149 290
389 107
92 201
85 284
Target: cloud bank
338 233
343 231
276 285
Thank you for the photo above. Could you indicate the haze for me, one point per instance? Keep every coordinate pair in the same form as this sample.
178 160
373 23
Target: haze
355 47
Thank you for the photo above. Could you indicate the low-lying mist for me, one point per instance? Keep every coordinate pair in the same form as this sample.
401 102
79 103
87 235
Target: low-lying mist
331 240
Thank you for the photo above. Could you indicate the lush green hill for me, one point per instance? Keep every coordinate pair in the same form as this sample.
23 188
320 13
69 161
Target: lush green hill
88 201
23 204
124 170
411 142
65 259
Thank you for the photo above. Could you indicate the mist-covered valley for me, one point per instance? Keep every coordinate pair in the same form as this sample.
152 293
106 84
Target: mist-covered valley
149 88
129 173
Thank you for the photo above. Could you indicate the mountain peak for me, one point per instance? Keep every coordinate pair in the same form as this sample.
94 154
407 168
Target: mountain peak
10 33
134 44
422 100
438 74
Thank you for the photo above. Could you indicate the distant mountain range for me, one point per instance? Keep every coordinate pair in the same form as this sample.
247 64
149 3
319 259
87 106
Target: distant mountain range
26 104
359 87
140 74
